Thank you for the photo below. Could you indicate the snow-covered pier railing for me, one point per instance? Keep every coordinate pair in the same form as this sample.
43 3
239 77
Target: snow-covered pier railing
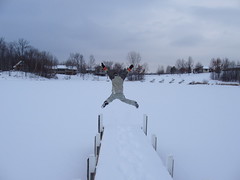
124 152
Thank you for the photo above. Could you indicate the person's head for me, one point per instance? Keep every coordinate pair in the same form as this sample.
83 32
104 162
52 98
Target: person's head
115 74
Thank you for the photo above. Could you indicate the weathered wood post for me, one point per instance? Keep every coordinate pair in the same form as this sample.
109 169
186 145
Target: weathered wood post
154 142
91 166
100 125
145 124
97 143
170 165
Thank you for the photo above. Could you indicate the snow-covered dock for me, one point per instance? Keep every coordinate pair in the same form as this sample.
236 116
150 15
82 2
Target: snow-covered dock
126 153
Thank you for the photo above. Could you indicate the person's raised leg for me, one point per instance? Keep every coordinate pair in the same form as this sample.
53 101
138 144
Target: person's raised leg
128 101
109 99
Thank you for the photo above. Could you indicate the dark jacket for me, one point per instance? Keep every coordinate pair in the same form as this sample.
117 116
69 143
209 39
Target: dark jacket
122 73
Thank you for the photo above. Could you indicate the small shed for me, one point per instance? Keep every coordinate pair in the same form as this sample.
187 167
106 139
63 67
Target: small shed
206 69
201 69
63 69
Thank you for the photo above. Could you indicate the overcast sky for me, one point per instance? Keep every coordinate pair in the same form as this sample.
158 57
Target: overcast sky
161 31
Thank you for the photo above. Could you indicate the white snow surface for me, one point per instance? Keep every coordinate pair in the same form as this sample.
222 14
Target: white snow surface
47 127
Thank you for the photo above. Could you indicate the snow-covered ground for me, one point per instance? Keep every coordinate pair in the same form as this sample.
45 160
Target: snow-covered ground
47 126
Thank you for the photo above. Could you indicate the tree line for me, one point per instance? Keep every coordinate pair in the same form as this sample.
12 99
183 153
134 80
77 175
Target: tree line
20 55
26 57
225 70
83 67
221 69
182 66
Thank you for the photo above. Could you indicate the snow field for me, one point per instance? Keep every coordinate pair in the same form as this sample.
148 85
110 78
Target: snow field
47 126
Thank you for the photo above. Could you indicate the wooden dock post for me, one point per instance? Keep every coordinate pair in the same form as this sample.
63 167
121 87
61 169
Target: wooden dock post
91 166
100 125
170 165
154 142
93 158
145 124
97 143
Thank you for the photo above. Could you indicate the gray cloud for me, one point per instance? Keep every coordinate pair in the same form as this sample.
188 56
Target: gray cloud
161 31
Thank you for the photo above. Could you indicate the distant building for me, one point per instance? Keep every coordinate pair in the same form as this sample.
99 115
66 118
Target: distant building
63 69
90 70
206 69
201 69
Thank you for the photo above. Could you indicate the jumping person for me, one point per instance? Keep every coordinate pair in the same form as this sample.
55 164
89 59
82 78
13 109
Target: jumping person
117 78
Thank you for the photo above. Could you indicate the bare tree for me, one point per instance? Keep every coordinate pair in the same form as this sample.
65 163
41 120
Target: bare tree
160 70
225 64
3 53
145 67
134 58
216 65
198 68
173 70
181 66
118 66
22 46
91 62
230 71
76 59
168 69
189 64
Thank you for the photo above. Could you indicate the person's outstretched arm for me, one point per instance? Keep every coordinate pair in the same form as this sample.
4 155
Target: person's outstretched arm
109 73
130 68
104 67
125 72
